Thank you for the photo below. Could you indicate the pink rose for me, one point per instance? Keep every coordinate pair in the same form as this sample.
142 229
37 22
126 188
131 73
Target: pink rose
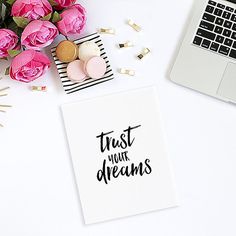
38 34
29 65
61 4
31 9
8 41
72 20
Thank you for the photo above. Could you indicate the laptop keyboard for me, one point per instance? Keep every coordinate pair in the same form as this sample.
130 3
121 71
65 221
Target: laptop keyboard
217 30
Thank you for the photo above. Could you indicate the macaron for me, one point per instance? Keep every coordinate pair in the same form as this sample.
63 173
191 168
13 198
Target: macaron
88 50
75 71
95 67
67 51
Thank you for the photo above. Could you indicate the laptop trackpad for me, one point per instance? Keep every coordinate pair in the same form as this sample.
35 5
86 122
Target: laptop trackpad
227 88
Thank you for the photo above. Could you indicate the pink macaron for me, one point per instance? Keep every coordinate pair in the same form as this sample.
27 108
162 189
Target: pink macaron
95 67
75 71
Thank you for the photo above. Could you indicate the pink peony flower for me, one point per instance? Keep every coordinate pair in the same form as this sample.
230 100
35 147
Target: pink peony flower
38 34
61 4
72 20
29 65
8 41
31 9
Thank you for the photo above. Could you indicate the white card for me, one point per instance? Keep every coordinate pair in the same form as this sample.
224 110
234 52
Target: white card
119 155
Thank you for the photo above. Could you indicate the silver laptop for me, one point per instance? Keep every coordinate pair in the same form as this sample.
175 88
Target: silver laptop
206 61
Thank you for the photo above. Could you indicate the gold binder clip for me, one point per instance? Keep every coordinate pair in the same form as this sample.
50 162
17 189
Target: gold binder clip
126 72
126 44
107 31
144 53
3 89
39 88
1 105
134 25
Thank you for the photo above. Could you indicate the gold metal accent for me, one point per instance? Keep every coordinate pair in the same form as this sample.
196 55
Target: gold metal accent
107 31
134 25
2 95
126 72
39 88
5 105
126 44
3 89
144 53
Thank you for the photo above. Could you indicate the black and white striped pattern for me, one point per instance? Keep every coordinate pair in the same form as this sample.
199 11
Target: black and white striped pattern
70 86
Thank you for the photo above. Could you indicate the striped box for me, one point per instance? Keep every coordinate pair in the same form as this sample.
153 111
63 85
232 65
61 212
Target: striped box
72 87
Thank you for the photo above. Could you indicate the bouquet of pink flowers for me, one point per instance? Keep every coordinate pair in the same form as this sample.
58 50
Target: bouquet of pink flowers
27 26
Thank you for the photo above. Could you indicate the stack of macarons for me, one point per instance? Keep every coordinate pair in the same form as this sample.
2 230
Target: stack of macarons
84 60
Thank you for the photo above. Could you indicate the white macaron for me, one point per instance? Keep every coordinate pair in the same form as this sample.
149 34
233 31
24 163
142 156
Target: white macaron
88 50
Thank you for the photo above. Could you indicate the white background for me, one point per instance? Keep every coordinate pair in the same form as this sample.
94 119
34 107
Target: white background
38 195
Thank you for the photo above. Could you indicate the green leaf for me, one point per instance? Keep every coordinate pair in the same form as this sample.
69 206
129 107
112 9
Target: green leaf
7 71
4 58
13 26
10 2
53 2
47 17
13 53
56 17
21 21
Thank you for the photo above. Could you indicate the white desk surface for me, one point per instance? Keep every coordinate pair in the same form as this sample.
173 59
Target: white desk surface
38 195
